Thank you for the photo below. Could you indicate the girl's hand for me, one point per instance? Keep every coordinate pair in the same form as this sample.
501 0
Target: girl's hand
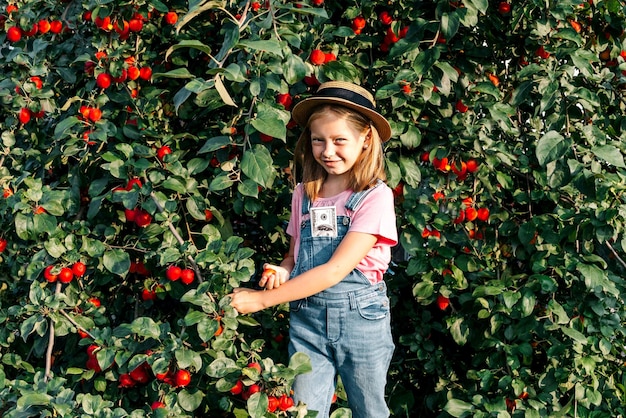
246 301
273 276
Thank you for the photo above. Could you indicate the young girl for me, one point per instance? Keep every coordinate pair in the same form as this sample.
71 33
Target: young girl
342 228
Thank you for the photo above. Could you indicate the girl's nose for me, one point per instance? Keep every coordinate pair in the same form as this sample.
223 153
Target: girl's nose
329 150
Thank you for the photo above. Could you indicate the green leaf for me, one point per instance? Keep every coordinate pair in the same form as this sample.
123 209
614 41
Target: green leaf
551 147
271 120
458 408
611 154
214 144
270 45
116 261
300 363
256 163
425 60
189 43
177 73
449 24
410 171
31 399
64 128
189 401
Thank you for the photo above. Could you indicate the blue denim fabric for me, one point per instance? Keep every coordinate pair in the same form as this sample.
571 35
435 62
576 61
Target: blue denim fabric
345 330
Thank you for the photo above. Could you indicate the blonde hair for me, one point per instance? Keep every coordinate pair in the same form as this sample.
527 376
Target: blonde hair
369 166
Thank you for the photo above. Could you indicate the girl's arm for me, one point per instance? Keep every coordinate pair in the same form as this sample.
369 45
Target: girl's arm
353 248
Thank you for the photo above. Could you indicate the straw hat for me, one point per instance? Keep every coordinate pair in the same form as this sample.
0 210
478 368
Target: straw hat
345 94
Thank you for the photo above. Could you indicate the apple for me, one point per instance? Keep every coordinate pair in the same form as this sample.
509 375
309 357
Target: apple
471 214
125 381
173 273
237 388
147 294
317 57
3 245
170 18
482 214
272 403
94 301
66 275
142 218
14 34
135 24
56 26
157 405
255 365
95 114
79 269
285 100
48 275
182 378
504 8
145 73
285 402
163 151
104 80
187 276
25 115
385 18
44 26
140 374
443 302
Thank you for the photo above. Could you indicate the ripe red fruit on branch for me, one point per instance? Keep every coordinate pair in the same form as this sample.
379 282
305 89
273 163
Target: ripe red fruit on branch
254 388
318 57
157 405
140 374
25 115
170 18
163 151
104 80
272 403
471 214
358 23
385 18
285 99
173 273
482 214
94 301
95 114
504 8
187 276
135 25
132 183
142 218
285 402
14 34
237 388
147 294
255 365
48 275
56 26
125 381
3 245
79 268
472 165
145 73
66 275
443 302
460 106
182 378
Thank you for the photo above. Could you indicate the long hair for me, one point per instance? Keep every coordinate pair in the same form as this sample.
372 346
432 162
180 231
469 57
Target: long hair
369 166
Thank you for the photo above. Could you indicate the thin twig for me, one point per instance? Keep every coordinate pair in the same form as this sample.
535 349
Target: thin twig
48 373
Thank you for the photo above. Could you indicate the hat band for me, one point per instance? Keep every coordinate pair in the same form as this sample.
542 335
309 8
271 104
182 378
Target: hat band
347 95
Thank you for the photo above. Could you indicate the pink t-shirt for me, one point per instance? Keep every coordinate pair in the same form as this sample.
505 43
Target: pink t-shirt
375 215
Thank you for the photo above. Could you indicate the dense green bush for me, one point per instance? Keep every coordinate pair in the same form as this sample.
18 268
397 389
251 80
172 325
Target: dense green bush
139 135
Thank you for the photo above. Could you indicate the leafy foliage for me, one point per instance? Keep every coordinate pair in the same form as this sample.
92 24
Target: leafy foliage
139 135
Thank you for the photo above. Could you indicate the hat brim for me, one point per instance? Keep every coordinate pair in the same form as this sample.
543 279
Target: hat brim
302 111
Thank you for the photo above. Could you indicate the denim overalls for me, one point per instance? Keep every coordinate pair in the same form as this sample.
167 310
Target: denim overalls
344 329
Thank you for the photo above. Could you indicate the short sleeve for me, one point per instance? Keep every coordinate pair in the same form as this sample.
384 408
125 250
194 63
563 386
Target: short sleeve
376 215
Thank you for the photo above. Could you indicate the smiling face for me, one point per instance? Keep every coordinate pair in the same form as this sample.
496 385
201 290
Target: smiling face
336 144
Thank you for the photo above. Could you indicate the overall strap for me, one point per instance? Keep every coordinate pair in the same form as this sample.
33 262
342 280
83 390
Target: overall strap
355 199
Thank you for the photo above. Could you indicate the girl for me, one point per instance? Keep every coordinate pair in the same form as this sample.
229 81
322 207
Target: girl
342 228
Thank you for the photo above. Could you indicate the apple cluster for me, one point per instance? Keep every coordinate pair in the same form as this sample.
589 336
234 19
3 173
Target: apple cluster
252 383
